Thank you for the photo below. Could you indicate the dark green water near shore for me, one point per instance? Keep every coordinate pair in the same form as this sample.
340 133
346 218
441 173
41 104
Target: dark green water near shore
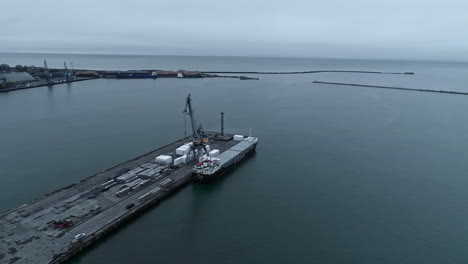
341 175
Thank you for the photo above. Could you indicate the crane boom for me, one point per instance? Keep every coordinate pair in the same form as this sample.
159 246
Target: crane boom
67 71
197 128
47 72
199 137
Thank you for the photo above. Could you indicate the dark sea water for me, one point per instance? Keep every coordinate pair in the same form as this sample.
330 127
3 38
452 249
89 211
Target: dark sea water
341 175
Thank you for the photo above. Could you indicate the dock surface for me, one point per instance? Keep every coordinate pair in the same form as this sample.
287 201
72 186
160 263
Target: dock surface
26 233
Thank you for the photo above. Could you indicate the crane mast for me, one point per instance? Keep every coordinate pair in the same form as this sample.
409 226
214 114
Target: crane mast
47 72
199 137
67 72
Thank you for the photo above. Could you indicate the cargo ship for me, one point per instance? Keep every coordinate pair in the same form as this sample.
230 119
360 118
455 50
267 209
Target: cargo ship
211 164
209 168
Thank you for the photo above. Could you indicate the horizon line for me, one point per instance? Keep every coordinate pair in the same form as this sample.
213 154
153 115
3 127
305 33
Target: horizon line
233 56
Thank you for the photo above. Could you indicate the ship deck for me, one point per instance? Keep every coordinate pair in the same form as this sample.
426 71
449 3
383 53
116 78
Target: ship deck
27 237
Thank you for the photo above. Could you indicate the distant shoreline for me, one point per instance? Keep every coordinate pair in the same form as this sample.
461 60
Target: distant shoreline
86 74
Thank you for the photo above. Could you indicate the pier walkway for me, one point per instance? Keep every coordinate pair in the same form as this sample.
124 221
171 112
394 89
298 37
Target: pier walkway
26 233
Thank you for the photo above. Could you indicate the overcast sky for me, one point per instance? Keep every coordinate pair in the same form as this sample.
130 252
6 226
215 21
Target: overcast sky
397 29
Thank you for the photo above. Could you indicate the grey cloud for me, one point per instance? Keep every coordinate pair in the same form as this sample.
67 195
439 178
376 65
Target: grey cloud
335 28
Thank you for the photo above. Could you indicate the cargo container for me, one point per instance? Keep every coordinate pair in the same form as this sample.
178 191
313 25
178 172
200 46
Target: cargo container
166 182
134 177
145 183
183 150
163 160
110 186
136 170
214 153
238 137
156 177
144 197
155 191
140 185
148 165
123 192
190 144
134 183
124 177
148 174
180 160
107 183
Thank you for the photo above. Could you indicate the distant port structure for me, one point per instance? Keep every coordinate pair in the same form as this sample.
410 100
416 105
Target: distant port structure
23 77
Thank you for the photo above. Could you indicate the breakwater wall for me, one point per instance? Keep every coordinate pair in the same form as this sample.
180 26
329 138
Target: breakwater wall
305 72
393 88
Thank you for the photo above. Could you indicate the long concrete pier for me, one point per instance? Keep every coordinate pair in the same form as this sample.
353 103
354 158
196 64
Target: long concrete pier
393 88
34 232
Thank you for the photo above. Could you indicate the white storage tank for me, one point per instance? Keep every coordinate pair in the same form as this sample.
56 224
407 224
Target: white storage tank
238 137
163 160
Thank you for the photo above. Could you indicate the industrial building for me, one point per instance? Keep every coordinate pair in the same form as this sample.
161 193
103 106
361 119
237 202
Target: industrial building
9 79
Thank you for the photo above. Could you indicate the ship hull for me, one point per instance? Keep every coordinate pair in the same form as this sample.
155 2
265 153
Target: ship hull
201 178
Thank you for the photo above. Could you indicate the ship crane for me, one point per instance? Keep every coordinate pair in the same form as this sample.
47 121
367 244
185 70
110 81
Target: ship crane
200 139
67 72
47 73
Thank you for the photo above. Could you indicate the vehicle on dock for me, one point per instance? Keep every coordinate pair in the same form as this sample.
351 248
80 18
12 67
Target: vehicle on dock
78 237
61 223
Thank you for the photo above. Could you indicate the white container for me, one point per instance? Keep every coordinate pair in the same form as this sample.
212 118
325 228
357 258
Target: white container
190 144
214 153
189 157
163 160
183 150
203 158
238 137
208 148
179 160
144 197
